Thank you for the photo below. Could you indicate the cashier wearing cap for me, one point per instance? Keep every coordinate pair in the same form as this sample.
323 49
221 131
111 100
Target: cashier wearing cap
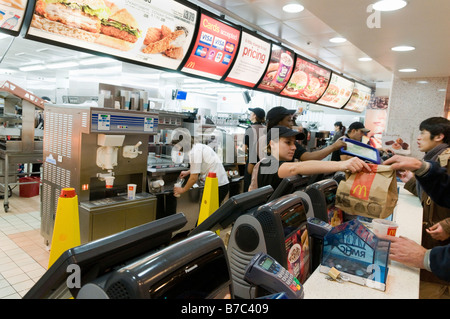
356 131
279 115
278 164
251 149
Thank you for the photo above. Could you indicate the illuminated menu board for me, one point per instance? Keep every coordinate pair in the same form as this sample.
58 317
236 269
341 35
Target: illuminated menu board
360 98
308 81
338 92
157 32
12 13
214 49
279 70
251 61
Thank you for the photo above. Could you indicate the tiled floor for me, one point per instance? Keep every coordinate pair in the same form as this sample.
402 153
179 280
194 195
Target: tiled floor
23 254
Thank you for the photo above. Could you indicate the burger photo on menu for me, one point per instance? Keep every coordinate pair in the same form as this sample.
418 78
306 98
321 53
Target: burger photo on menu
120 31
297 83
331 93
80 19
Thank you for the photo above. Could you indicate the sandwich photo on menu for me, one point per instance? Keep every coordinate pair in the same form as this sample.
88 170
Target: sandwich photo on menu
120 31
98 21
80 19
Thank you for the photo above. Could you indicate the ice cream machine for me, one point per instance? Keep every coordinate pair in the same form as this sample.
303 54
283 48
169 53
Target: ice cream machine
97 151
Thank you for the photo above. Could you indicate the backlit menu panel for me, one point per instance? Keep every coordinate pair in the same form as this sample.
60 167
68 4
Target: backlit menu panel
360 98
308 81
279 70
251 61
157 32
214 49
11 15
338 92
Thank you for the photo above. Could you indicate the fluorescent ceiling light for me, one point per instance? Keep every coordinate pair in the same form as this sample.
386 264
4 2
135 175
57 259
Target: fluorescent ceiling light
36 67
338 40
365 59
403 48
422 82
293 8
62 65
408 70
389 5
171 75
92 61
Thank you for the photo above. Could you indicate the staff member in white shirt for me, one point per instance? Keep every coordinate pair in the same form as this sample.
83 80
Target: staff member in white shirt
202 160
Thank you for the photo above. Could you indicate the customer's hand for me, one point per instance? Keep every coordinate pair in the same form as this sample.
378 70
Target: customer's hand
437 232
406 251
398 162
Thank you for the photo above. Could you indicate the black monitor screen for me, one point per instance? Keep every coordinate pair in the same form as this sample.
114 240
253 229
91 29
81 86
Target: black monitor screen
98 257
289 185
233 208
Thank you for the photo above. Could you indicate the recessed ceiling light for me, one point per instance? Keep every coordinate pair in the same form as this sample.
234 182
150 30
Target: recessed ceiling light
365 59
389 5
293 8
338 40
408 70
422 82
403 48
36 67
442 90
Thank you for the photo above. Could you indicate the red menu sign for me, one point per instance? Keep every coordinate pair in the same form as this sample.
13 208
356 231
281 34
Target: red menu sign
279 70
308 81
214 49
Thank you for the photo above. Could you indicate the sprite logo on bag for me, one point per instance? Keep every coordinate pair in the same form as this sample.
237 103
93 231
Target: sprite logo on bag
362 184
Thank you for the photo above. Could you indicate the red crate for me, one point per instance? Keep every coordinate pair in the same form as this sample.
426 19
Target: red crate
29 190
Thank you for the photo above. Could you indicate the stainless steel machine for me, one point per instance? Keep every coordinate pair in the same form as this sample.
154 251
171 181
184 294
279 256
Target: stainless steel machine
97 151
21 134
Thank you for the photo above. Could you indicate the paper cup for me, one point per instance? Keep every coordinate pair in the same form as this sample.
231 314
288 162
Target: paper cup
131 191
384 227
178 185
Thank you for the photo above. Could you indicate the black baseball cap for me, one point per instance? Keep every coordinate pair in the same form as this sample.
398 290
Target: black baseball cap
278 112
358 126
283 131
259 112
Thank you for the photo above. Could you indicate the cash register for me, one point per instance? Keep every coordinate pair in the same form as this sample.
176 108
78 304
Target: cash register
278 229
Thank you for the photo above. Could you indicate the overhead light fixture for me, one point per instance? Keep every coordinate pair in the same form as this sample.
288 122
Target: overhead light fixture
293 8
62 65
422 82
407 70
36 67
389 5
338 40
403 48
96 60
365 59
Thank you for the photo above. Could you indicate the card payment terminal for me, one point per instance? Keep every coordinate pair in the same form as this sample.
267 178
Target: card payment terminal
265 272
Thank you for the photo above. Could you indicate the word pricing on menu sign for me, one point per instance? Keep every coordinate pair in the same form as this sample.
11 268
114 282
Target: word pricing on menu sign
214 49
279 70
251 61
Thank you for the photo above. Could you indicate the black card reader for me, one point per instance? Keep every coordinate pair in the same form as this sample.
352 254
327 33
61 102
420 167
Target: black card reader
267 273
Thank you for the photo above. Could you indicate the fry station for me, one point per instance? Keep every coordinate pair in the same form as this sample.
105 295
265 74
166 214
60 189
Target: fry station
199 149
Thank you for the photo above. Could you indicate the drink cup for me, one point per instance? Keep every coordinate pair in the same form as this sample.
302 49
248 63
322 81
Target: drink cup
384 227
131 191
286 63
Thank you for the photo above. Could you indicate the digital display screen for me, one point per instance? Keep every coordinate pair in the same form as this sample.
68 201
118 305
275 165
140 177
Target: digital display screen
279 69
267 263
338 92
181 95
292 219
11 15
360 98
308 81
366 152
251 61
214 49
157 32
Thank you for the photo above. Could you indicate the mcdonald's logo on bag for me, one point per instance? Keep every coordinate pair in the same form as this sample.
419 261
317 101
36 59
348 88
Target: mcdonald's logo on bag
361 188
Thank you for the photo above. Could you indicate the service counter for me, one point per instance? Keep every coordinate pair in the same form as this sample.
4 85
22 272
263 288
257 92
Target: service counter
402 282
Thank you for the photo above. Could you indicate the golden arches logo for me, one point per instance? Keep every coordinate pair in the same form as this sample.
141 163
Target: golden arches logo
361 188
190 65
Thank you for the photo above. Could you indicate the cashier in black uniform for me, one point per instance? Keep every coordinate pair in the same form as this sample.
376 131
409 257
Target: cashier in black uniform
278 165
251 142
279 115
356 131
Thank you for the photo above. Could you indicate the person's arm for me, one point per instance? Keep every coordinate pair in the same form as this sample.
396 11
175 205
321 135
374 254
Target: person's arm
190 182
324 152
321 167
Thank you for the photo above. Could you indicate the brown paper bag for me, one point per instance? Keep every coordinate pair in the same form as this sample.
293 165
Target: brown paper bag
372 195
